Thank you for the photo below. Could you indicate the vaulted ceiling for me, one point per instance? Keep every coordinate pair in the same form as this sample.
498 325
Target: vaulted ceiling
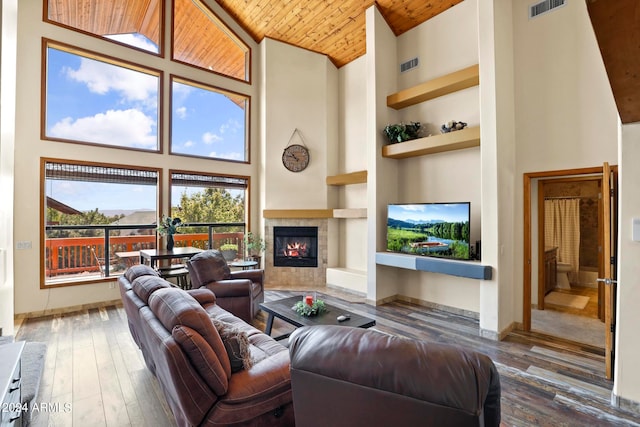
332 27
335 28
616 24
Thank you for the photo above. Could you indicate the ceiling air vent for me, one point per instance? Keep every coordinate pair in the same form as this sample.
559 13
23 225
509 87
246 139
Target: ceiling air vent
545 6
406 66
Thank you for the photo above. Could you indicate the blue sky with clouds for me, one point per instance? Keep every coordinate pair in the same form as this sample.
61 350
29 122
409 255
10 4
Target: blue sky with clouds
93 101
448 212
206 123
89 100
87 196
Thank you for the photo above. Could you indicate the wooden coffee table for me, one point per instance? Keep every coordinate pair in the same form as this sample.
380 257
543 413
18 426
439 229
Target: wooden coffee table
282 310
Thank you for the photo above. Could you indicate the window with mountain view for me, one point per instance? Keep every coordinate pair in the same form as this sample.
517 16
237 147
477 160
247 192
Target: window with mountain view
94 215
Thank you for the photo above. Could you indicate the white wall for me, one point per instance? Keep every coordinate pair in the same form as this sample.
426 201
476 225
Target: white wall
299 91
565 113
498 163
8 45
381 77
30 148
444 44
627 371
352 156
451 176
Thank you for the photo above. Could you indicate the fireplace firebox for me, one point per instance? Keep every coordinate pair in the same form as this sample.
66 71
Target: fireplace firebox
295 246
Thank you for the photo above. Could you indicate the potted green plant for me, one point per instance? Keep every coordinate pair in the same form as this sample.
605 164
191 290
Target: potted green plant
402 132
254 245
168 227
229 251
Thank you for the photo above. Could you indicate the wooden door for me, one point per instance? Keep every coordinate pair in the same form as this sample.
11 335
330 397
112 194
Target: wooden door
609 215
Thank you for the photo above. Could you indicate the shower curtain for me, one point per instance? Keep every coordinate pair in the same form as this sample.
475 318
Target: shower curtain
562 230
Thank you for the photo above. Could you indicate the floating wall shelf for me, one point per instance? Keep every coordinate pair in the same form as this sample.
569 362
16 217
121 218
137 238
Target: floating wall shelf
439 86
465 138
468 269
359 177
314 213
297 213
350 213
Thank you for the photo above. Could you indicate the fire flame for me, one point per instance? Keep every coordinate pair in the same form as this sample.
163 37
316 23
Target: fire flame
295 249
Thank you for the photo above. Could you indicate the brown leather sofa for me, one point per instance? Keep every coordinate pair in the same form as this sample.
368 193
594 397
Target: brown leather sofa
239 292
182 347
358 377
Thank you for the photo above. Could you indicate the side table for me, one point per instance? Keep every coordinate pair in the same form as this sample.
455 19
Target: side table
245 265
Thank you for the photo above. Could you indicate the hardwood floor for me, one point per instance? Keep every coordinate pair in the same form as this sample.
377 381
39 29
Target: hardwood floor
93 363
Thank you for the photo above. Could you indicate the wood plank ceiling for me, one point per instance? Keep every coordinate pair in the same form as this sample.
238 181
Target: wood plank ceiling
616 24
335 28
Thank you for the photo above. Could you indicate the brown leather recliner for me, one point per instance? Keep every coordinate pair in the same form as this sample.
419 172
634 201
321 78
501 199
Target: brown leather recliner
350 376
239 292
182 347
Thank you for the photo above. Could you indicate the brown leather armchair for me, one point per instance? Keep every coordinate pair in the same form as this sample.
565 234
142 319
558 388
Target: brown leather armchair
239 292
342 376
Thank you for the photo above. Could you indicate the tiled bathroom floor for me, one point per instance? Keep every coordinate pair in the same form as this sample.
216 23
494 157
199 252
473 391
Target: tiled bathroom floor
569 323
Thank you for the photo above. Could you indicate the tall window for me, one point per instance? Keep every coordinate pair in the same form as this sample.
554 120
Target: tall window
98 101
208 122
211 199
95 216
138 23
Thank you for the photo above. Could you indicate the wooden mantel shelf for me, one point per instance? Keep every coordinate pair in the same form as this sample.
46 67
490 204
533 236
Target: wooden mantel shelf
314 213
297 213
465 138
434 88
359 177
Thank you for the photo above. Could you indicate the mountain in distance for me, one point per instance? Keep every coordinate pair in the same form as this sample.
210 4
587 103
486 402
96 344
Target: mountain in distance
125 212
421 221
409 223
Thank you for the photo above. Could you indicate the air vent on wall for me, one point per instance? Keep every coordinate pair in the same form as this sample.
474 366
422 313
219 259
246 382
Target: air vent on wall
545 6
406 66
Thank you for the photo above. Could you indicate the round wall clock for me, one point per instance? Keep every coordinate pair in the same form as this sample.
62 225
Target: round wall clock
295 157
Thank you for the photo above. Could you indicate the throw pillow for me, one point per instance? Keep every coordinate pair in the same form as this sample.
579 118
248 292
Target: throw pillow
236 343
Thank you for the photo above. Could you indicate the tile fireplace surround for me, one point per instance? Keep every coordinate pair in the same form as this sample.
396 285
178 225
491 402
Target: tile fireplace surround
316 276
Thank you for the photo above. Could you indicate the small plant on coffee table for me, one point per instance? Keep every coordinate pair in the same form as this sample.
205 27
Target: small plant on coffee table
304 309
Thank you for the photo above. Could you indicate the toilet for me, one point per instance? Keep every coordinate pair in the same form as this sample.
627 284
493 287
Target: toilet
562 270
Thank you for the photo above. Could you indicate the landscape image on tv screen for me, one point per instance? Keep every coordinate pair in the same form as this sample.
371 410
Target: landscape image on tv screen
429 229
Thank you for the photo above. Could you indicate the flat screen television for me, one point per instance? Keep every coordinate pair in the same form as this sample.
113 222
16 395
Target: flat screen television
430 229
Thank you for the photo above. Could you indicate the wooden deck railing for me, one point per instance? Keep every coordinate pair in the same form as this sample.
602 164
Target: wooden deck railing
86 255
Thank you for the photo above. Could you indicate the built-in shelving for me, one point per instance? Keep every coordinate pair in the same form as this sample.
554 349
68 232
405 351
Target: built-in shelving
468 269
314 213
297 213
359 177
435 88
465 138
350 213
457 140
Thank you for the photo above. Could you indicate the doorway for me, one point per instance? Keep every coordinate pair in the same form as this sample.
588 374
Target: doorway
567 303
563 323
